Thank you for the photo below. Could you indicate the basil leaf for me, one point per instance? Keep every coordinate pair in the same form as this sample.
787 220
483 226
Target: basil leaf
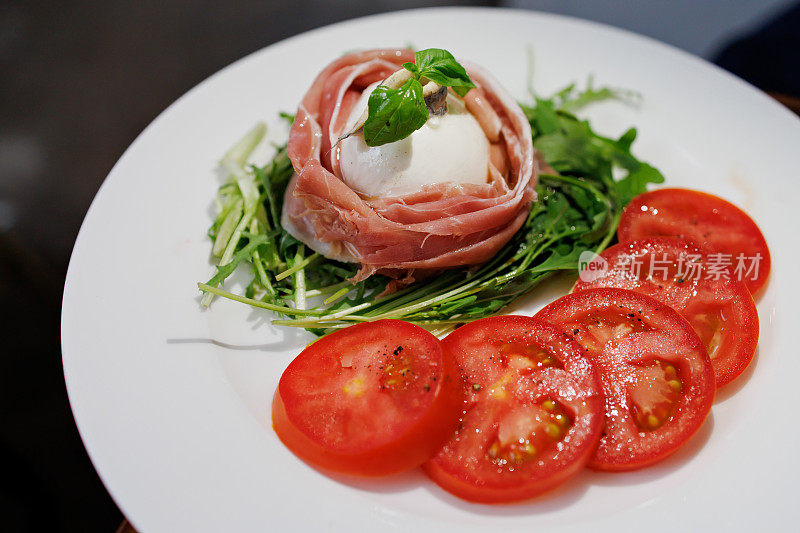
441 67
432 57
394 114
411 67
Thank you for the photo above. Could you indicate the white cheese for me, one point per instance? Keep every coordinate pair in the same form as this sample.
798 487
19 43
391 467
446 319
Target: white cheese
448 148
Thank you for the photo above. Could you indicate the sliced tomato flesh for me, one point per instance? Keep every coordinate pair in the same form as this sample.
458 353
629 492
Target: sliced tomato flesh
656 374
527 431
676 272
654 394
532 416
722 229
371 399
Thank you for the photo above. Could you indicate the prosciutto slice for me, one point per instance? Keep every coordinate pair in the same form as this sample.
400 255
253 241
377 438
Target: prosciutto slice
442 226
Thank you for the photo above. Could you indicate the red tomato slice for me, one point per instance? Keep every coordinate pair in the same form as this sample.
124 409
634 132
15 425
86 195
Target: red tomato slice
371 399
533 413
675 272
656 374
731 237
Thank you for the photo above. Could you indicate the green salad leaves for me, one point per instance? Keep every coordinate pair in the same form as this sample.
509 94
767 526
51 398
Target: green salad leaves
396 113
578 208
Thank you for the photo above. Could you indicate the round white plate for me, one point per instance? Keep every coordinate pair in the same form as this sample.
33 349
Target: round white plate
172 402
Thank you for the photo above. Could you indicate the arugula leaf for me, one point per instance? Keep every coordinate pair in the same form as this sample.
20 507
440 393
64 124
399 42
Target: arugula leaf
223 271
288 117
544 120
635 183
441 67
569 99
575 149
572 102
286 242
394 114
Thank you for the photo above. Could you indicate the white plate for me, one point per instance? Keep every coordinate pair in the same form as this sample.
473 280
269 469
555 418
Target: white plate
173 403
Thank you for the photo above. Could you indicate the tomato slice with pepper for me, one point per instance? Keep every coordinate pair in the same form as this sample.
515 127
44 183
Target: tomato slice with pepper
675 272
656 374
371 399
733 240
533 412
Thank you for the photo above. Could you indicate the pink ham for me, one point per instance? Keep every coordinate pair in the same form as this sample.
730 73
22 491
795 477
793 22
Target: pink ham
442 226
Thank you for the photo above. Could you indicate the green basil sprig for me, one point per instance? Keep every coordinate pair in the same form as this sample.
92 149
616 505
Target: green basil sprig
394 114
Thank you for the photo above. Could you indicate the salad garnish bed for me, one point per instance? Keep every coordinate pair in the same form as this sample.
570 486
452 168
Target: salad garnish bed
578 209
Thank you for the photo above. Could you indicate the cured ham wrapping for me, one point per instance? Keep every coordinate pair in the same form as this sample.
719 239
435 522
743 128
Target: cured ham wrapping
442 226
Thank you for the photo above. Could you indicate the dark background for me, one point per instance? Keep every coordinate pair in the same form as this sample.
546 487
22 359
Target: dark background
79 80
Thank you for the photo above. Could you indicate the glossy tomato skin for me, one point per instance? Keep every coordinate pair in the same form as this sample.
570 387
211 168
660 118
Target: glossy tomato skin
629 336
371 399
674 271
710 222
507 394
